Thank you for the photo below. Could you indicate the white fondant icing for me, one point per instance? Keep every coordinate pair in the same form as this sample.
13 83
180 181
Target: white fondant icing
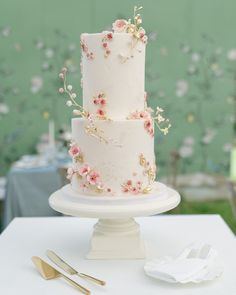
115 163
122 82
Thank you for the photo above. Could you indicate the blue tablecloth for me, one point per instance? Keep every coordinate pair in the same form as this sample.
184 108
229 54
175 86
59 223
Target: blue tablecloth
28 191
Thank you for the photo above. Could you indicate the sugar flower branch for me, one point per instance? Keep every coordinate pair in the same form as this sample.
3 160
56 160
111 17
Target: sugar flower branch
72 95
91 128
131 26
160 120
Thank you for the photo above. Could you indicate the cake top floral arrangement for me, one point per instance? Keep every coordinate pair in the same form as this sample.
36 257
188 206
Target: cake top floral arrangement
134 28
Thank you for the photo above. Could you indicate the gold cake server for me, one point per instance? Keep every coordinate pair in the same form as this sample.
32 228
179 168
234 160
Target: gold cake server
48 273
70 270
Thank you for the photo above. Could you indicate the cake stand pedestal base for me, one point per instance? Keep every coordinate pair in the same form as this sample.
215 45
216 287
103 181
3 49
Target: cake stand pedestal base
116 234
116 239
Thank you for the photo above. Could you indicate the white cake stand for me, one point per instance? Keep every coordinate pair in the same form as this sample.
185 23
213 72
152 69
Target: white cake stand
116 235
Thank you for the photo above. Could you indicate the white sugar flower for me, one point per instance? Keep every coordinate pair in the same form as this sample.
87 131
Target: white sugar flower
73 95
76 112
69 103
166 130
231 55
69 87
160 118
159 110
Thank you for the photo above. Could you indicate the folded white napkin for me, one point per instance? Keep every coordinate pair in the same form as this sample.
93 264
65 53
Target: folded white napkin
198 262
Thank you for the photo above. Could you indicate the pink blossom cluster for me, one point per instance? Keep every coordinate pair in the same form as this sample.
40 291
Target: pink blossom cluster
146 116
140 115
107 38
133 188
122 26
85 49
142 35
91 176
100 101
149 126
74 151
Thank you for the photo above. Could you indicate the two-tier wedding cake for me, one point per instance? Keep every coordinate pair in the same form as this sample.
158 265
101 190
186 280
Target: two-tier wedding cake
113 140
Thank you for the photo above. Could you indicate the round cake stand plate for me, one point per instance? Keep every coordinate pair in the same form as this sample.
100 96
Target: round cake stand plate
116 235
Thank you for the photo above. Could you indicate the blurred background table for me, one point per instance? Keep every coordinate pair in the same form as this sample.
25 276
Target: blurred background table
30 182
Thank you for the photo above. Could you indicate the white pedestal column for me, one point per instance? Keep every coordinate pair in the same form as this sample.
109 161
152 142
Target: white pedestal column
116 235
116 239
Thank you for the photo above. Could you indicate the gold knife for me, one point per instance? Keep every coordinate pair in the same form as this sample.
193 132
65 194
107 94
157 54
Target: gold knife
48 273
70 270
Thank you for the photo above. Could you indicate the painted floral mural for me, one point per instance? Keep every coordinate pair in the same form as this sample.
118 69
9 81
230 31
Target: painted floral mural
191 73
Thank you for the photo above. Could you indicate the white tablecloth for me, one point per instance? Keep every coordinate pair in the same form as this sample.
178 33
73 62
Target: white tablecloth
165 235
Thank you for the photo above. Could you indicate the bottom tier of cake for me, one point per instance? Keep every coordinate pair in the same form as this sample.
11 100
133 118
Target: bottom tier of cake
112 157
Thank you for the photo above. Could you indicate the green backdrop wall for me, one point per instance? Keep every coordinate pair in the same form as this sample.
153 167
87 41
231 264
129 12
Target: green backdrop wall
190 72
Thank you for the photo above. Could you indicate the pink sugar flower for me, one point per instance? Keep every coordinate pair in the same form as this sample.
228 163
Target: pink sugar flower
119 25
109 36
125 189
149 110
74 151
96 101
144 39
84 186
151 131
145 96
84 170
134 190
141 32
104 44
135 115
83 46
93 178
103 101
144 115
100 112
147 124
129 182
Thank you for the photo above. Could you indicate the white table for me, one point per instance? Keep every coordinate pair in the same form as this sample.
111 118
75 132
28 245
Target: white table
69 236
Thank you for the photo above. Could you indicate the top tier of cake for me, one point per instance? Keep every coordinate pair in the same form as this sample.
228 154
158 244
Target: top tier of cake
113 74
